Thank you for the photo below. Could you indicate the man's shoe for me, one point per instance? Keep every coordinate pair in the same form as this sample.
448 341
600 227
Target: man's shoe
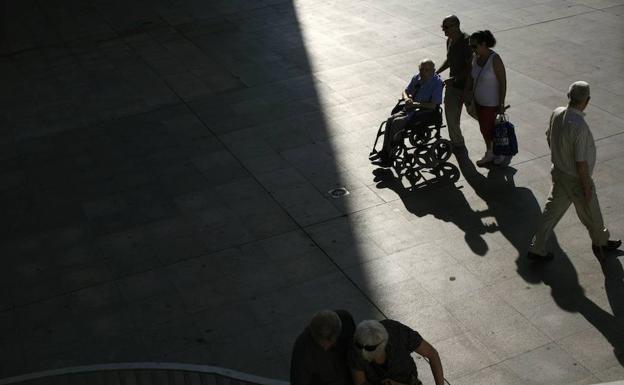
599 251
538 257
613 244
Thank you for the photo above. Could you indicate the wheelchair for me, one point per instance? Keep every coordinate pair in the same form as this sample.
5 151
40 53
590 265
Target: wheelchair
418 148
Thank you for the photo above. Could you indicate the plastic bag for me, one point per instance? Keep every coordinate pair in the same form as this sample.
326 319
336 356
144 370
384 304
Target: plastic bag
505 141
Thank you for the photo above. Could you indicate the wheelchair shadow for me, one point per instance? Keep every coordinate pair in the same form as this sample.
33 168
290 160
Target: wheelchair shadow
441 198
516 212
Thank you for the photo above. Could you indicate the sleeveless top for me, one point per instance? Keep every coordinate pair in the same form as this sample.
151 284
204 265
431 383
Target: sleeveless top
486 87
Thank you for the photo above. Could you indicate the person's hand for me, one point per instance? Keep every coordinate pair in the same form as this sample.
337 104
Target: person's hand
502 108
587 193
409 102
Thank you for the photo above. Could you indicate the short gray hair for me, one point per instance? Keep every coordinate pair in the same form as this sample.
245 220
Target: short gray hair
325 326
426 61
578 92
370 332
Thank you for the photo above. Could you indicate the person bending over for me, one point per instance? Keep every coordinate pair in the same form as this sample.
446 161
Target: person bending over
319 355
381 354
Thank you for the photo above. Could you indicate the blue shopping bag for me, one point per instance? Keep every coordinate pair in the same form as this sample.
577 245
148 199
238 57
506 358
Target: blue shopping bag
505 141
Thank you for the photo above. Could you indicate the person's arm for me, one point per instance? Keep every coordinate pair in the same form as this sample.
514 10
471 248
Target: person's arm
583 170
443 67
550 124
426 350
468 85
499 71
406 96
425 105
359 378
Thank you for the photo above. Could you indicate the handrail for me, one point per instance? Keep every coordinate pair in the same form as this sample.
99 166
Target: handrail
145 366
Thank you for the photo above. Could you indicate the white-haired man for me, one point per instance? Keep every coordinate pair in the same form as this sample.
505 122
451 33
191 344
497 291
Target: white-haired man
319 355
382 354
422 95
573 156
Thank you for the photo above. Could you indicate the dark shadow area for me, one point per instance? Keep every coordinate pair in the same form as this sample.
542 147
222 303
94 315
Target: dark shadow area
159 159
516 211
438 196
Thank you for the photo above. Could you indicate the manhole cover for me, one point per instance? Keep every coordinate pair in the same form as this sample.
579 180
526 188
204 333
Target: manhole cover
338 192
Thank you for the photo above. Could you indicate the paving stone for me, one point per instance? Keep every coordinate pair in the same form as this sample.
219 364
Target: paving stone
464 354
548 364
429 318
335 237
446 284
482 309
592 349
496 374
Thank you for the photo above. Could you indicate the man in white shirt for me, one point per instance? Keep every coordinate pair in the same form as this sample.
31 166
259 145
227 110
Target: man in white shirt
573 155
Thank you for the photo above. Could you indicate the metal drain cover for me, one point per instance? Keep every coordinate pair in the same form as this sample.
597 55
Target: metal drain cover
338 192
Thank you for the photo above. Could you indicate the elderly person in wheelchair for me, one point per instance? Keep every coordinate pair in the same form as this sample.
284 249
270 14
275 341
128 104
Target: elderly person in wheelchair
420 102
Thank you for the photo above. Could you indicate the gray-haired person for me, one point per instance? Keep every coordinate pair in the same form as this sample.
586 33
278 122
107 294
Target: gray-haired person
319 355
381 354
573 156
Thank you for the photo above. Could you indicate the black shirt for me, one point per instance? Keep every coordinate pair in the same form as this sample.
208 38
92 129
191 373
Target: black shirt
458 57
311 365
399 365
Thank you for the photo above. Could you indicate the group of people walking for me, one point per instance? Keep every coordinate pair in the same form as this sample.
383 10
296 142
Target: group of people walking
477 79
476 75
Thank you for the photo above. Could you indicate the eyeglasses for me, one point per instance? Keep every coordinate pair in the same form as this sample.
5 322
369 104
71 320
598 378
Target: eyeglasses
368 348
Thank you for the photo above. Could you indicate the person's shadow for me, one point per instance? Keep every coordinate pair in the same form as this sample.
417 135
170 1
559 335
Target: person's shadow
439 197
516 212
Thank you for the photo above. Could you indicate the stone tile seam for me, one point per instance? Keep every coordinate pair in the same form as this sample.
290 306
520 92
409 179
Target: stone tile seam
593 10
578 364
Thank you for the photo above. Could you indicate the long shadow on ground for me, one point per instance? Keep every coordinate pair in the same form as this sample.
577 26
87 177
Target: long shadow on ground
438 197
516 211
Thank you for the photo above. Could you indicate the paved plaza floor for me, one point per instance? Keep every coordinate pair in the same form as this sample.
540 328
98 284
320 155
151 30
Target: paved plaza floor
165 168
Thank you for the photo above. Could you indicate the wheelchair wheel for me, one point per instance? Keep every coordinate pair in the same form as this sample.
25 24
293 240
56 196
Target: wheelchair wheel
422 157
446 172
441 150
413 176
419 136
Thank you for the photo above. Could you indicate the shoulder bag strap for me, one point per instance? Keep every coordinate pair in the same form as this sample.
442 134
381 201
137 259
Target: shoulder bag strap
474 86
